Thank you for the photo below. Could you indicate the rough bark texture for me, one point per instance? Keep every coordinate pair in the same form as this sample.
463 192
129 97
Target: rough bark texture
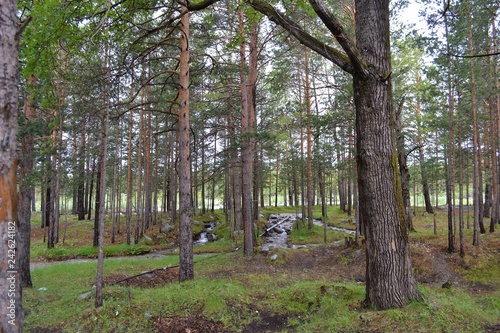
186 270
403 167
389 277
248 81
307 100
26 191
11 312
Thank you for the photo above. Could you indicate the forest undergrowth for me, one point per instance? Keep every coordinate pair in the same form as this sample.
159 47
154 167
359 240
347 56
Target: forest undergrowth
319 288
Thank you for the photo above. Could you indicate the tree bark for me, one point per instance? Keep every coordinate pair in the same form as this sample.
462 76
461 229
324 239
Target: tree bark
476 148
128 207
390 281
186 268
81 176
26 189
307 100
421 156
496 206
138 220
248 81
450 169
11 311
101 213
495 203
403 166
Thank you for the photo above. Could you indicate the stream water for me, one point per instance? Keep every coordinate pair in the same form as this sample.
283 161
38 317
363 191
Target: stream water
278 236
204 237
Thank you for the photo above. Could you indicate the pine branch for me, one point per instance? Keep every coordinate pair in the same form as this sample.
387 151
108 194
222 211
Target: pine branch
334 55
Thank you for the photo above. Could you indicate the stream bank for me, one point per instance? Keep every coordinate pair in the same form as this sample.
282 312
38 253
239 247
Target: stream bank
279 226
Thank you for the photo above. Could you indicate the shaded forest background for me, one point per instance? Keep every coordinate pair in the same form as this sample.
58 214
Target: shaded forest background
81 63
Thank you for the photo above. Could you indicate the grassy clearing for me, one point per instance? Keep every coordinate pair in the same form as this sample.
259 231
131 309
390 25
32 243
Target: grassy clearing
305 290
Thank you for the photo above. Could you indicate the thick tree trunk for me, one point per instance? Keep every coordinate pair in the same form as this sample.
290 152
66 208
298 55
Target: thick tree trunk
186 268
11 311
389 280
248 82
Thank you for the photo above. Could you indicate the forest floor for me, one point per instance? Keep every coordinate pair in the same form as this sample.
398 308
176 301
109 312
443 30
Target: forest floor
313 289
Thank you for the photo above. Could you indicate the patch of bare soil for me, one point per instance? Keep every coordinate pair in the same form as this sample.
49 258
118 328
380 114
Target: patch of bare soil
338 262
151 279
187 325
268 323
493 329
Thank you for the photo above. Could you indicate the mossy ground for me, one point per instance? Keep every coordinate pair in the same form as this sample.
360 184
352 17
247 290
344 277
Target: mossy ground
315 289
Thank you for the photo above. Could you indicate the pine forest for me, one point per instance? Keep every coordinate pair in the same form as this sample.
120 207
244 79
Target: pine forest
249 166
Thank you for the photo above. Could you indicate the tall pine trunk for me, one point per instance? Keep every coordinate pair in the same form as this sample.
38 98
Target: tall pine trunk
186 268
11 312
421 156
389 279
307 100
26 189
101 212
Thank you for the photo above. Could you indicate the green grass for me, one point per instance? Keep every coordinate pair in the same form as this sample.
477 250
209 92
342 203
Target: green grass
237 291
312 305
303 235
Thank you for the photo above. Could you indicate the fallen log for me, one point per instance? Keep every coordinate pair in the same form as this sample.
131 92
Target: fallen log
274 226
143 273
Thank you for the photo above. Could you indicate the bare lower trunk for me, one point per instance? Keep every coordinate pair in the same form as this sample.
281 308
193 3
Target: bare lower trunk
403 167
129 178
26 192
307 100
389 276
11 311
248 121
186 269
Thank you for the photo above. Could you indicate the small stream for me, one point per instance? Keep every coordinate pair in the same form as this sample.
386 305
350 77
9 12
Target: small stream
204 237
280 226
